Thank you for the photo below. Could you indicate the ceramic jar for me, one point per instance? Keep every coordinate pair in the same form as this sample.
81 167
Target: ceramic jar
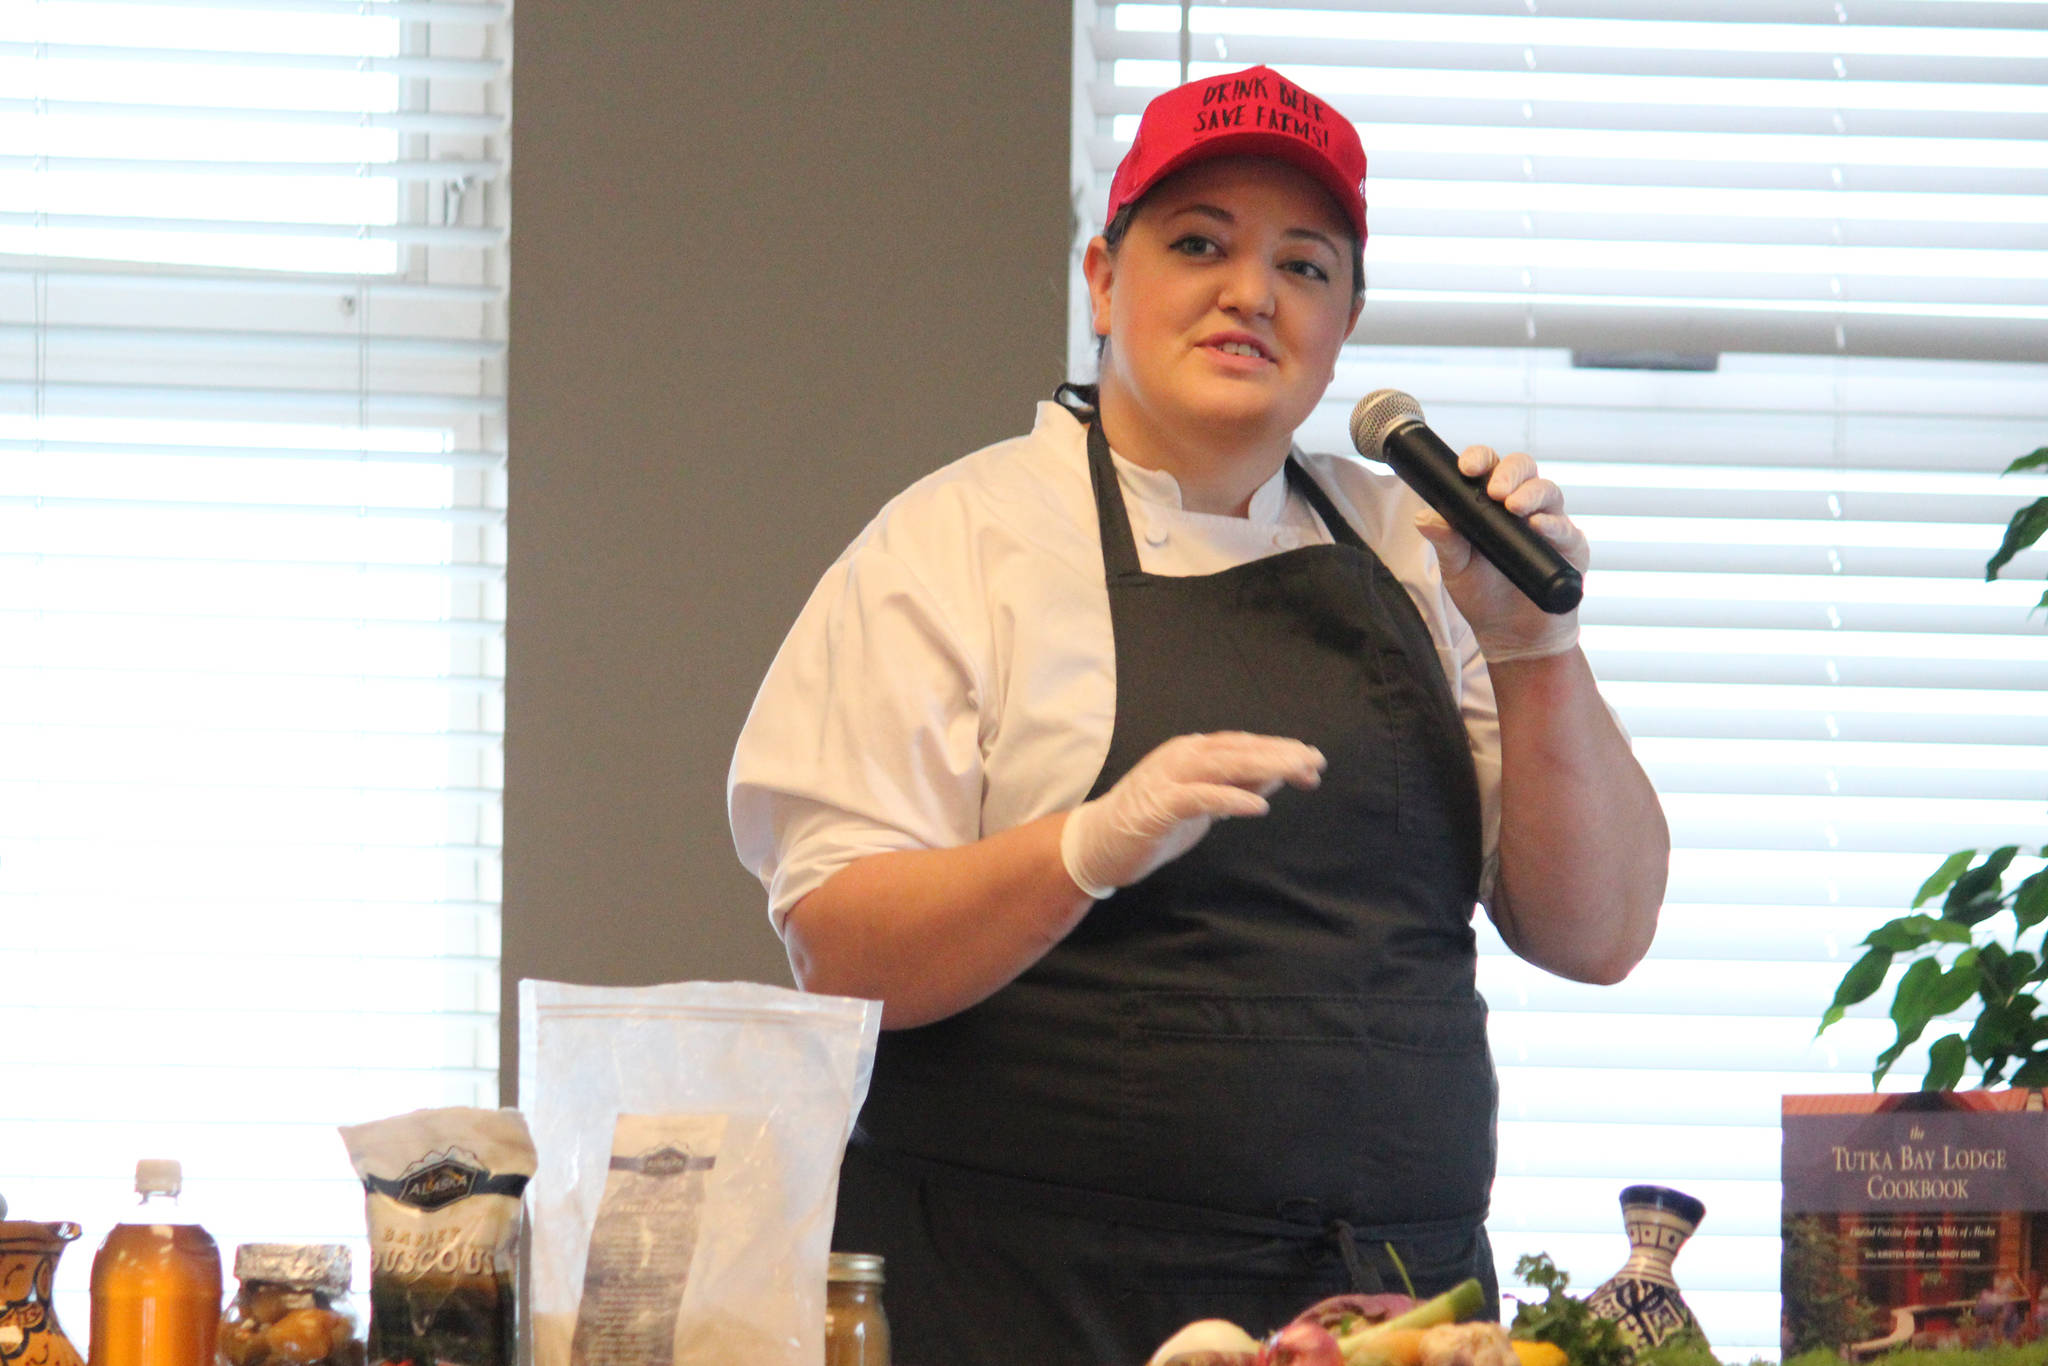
1642 1298
29 1335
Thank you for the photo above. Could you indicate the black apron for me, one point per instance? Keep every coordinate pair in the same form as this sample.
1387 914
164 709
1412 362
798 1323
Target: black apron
1250 1080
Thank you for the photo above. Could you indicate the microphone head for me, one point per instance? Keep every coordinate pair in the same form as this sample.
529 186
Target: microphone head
1377 416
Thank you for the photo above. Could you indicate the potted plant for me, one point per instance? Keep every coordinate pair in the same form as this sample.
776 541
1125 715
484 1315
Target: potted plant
1988 941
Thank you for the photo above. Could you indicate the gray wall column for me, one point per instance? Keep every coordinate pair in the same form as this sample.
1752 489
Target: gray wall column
770 263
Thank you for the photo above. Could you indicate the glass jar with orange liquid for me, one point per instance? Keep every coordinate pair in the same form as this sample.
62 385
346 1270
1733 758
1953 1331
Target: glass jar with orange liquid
156 1281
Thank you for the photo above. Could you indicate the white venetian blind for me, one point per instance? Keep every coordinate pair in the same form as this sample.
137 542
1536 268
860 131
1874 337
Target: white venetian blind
252 300
1765 287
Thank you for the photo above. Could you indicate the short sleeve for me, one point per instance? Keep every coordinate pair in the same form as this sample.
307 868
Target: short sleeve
865 735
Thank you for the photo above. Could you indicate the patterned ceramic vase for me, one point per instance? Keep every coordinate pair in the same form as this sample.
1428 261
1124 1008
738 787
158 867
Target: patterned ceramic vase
29 1335
1641 1298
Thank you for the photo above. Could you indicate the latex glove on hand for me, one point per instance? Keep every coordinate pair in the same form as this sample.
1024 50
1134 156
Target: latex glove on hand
1507 625
1170 798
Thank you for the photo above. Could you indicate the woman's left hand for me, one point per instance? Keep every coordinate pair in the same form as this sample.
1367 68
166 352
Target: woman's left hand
1507 625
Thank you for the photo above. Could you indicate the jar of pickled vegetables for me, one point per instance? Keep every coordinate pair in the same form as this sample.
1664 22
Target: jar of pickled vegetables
856 1330
291 1308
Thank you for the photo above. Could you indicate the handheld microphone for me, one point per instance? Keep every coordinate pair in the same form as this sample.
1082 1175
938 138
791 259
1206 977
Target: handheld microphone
1387 426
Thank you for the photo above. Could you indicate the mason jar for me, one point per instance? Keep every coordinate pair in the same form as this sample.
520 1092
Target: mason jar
856 1329
291 1308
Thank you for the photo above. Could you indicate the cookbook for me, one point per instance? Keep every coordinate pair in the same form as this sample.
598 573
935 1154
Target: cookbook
1914 1219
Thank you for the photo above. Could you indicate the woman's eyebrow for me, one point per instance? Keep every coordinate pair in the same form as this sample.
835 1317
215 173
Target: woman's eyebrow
1312 235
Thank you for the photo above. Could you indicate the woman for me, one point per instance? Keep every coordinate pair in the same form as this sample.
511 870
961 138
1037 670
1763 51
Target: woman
1149 773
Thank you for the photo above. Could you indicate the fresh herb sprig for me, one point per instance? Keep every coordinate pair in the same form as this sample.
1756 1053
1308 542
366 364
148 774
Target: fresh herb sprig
1686 1347
1587 1339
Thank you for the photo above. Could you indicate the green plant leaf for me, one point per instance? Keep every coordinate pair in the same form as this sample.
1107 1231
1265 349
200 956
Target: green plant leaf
2030 900
2038 460
1910 932
1864 976
1957 985
1999 972
2020 967
1977 894
1912 1003
2004 1031
2025 528
1983 878
1944 877
1912 1007
1945 1061
1996 1028
2034 1072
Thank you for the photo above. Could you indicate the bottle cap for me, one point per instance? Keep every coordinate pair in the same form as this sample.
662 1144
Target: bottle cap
859 1268
159 1176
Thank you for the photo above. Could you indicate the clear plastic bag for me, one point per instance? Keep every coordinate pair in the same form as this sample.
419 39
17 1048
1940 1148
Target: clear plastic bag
786 1072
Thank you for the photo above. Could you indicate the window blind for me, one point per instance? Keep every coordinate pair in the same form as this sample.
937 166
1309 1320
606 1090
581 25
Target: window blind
252 299
1817 177
1762 287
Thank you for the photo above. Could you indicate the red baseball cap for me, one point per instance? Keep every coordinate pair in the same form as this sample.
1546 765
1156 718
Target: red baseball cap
1256 112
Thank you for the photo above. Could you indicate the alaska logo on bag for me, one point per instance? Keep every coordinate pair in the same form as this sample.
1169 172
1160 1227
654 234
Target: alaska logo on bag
443 1183
440 1179
666 1162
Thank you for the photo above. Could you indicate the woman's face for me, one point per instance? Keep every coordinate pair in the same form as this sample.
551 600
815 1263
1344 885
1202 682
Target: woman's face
1226 303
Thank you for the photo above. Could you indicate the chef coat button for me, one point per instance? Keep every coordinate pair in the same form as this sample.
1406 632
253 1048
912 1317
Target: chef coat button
1285 540
1155 534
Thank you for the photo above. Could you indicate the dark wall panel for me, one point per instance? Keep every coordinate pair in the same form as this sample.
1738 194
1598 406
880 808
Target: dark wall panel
769 264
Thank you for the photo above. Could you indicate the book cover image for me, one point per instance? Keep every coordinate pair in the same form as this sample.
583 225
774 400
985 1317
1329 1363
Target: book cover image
1914 1219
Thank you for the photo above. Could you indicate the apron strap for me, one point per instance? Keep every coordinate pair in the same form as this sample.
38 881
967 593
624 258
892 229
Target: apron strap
1078 399
1365 1277
1335 522
1119 547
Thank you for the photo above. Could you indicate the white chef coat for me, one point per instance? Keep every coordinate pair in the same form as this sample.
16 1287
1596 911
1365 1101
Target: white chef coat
954 675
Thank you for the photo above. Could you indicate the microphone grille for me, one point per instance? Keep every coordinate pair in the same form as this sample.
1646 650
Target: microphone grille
1376 417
